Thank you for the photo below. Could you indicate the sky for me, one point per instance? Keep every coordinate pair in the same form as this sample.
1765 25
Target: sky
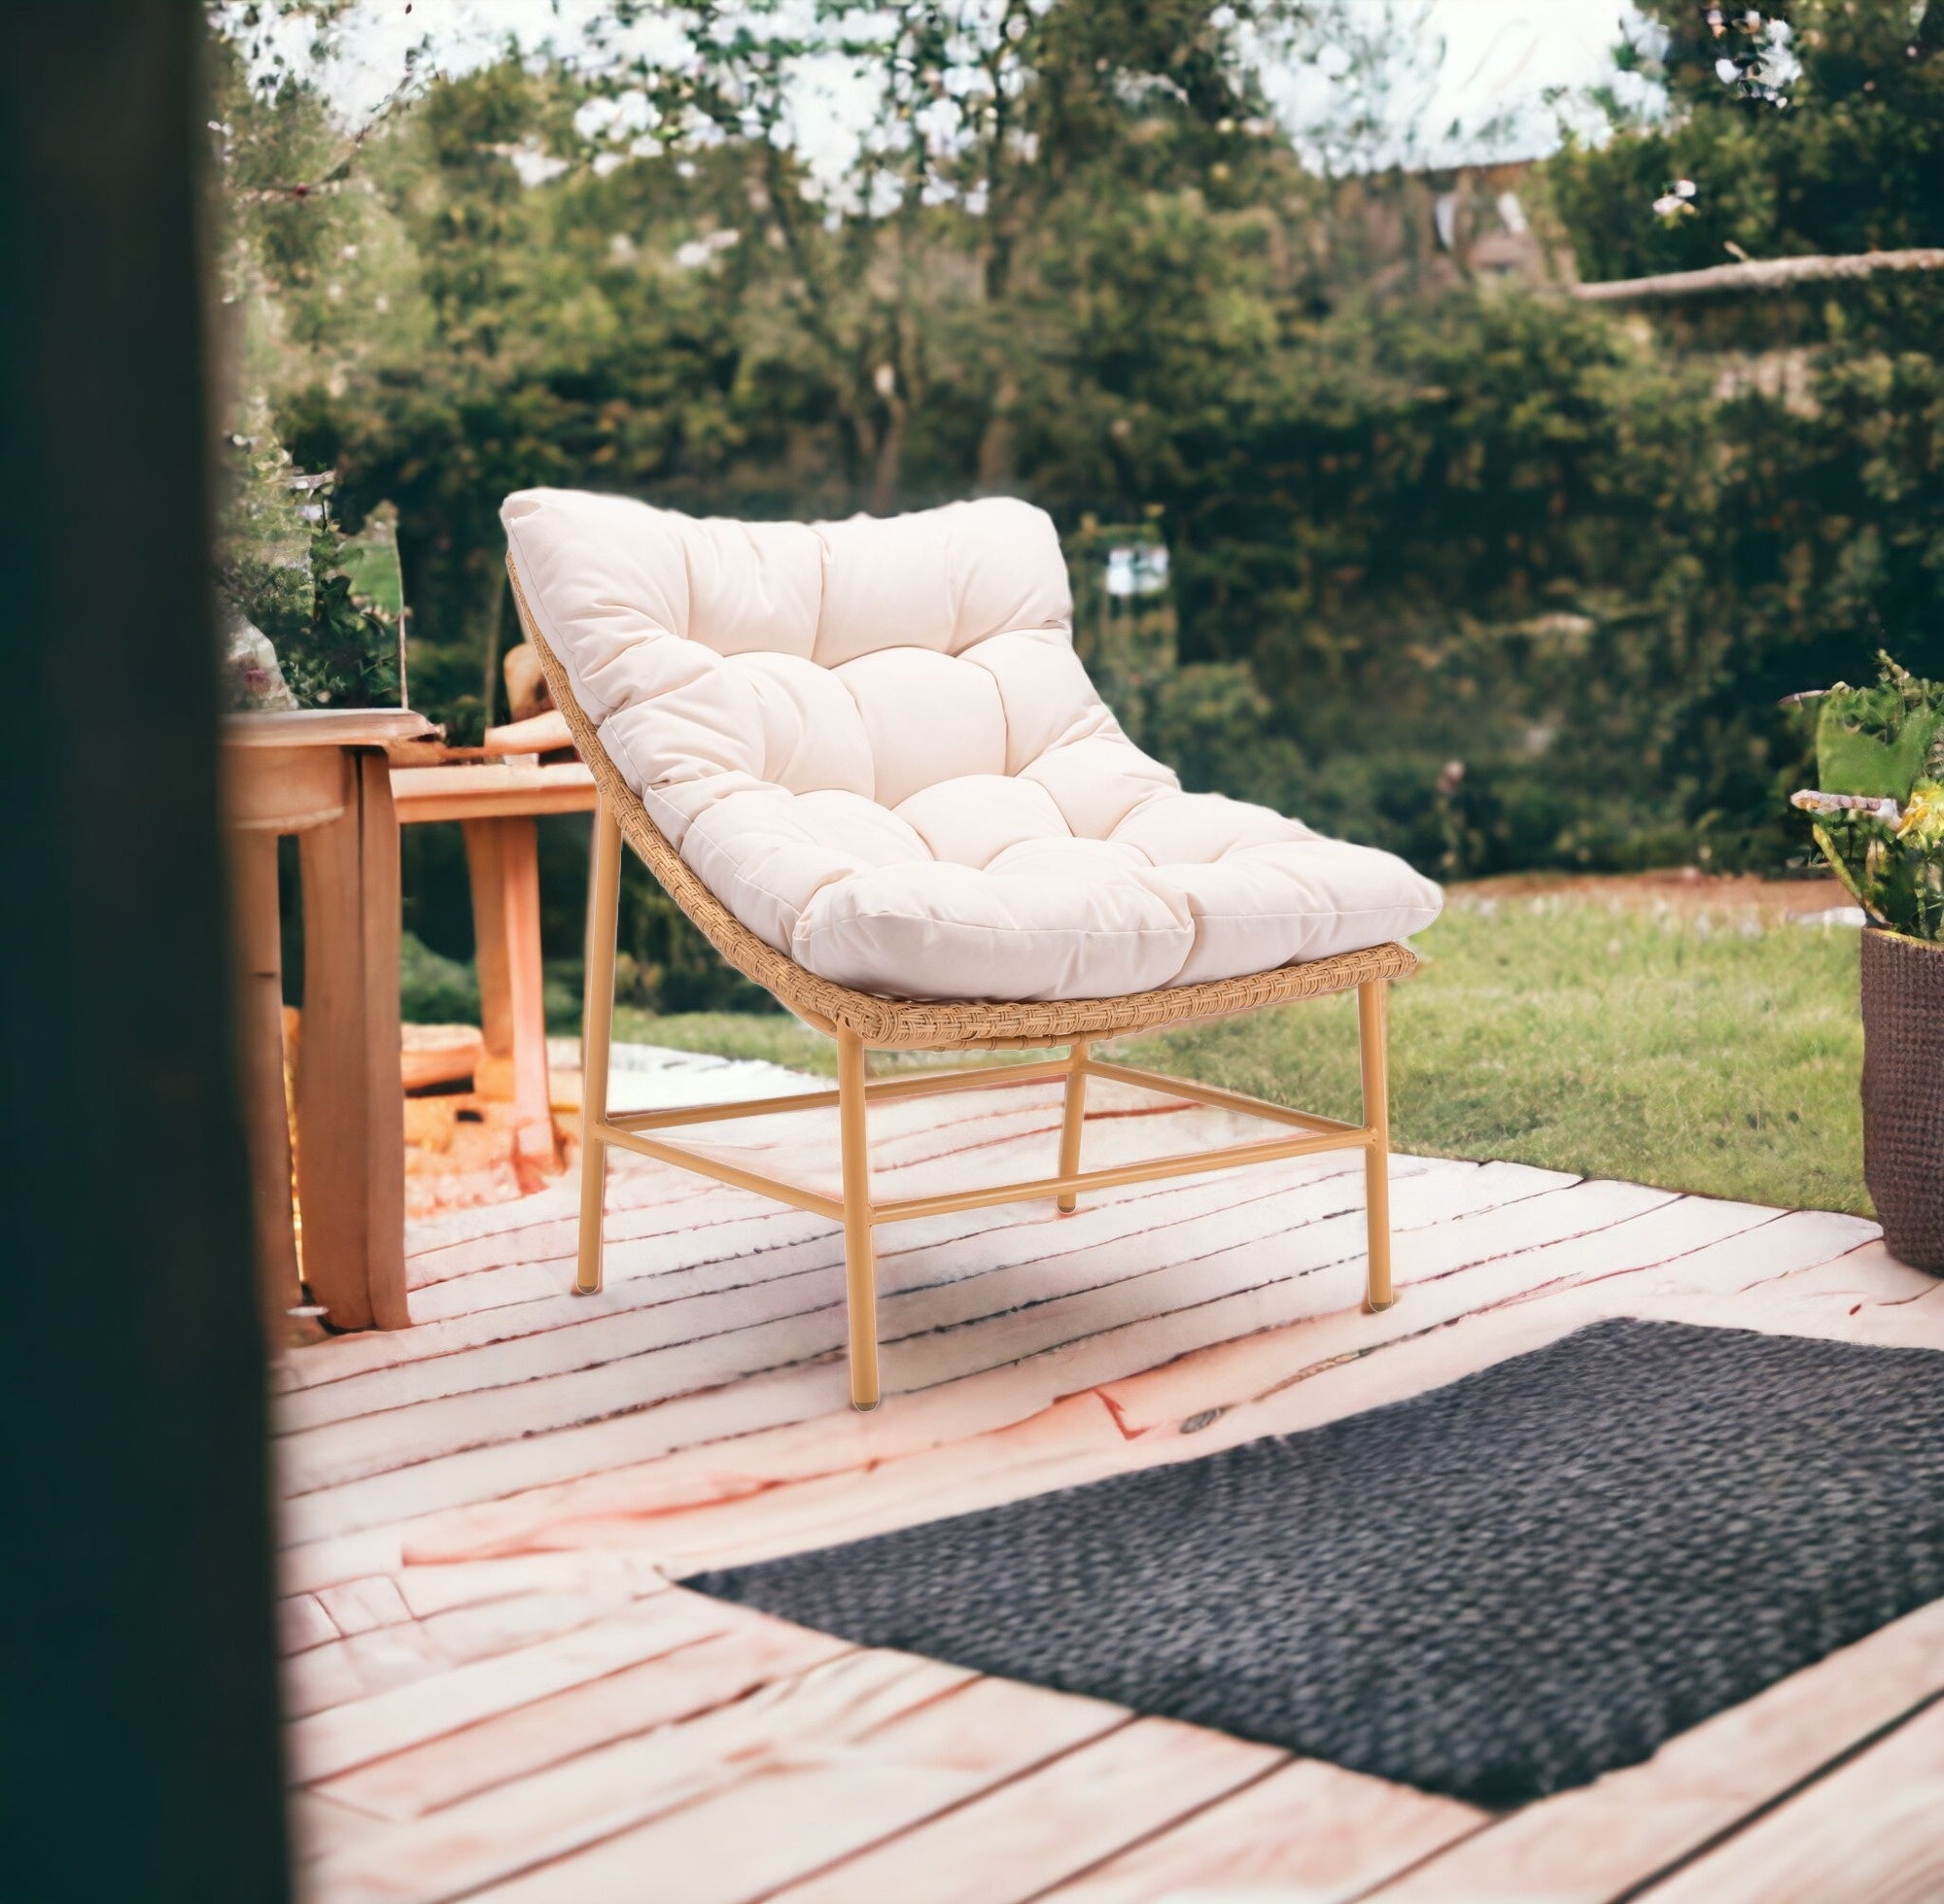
1493 93
1509 54
1486 99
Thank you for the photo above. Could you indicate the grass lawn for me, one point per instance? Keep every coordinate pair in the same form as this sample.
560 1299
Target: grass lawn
1700 1049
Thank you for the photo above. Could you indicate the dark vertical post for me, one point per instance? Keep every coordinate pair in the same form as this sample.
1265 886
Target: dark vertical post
137 1667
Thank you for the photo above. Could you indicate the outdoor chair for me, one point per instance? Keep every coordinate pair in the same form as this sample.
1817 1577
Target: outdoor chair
865 760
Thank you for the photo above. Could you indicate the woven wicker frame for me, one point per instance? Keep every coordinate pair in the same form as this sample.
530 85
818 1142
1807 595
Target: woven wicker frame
861 1022
1903 1092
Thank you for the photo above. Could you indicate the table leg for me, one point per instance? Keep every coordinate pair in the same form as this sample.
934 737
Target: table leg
502 859
351 1124
259 998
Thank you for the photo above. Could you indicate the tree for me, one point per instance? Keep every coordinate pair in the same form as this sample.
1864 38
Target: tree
1839 147
1415 522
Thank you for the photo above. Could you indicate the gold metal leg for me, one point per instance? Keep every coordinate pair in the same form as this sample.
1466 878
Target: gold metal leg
1373 1016
1076 1117
596 1027
860 1258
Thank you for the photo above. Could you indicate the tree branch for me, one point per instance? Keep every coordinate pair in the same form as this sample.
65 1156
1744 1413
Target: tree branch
1763 274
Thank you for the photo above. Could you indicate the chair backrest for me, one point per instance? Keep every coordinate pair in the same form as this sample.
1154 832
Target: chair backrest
869 657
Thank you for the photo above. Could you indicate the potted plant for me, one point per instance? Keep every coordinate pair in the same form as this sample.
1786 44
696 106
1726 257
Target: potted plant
1879 816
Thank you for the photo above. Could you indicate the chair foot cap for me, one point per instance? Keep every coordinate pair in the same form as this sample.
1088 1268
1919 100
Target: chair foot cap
866 1407
578 1290
1377 1308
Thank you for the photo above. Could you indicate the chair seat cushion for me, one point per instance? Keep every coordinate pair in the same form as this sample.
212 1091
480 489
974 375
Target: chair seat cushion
874 743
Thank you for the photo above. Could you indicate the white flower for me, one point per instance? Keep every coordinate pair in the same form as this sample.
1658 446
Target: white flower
1684 188
1727 71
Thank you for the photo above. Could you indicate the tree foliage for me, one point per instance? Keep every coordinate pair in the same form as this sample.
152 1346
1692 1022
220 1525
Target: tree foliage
1457 566
1846 155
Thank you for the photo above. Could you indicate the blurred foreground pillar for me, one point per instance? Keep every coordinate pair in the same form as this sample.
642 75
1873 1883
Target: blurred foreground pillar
137 1679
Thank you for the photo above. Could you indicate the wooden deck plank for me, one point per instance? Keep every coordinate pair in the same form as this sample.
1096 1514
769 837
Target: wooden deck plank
797 1277
1314 1388
461 1242
685 1222
754 1461
302 1623
400 1652
684 1213
1309 1831
665 1203
1184 1289
597 1795
1075 1350
677 1684
320 1826
1010 1843
498 1304
498 1696
429 1590
907 1136
1864 1297
819 1802
475 1308
967 1474
1002 1395
567 1378
349 1557
692 1222
332 1463
1867 1833
343 1671
564 1331
1327 1371
1252 1366
355 1732
899 1123
358 1606
326 1677
661 1217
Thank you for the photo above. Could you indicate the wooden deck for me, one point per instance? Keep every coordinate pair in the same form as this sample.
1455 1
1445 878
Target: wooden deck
494 1692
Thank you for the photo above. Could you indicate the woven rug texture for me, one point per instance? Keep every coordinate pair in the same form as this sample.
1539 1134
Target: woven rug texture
1499 1590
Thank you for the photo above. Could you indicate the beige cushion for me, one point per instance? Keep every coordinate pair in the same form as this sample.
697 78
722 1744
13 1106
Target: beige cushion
874 743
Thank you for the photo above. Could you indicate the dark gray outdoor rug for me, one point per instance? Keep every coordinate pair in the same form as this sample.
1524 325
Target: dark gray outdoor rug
1500 1589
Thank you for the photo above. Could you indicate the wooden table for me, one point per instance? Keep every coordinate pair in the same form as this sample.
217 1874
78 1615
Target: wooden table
322 775
497 802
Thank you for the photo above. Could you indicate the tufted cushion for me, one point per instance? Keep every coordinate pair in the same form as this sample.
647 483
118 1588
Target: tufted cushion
874 743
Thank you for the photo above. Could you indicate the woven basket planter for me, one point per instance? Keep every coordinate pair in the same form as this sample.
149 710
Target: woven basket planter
1903 1093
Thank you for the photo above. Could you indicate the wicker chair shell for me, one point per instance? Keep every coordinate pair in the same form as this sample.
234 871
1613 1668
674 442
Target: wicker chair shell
932 1025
